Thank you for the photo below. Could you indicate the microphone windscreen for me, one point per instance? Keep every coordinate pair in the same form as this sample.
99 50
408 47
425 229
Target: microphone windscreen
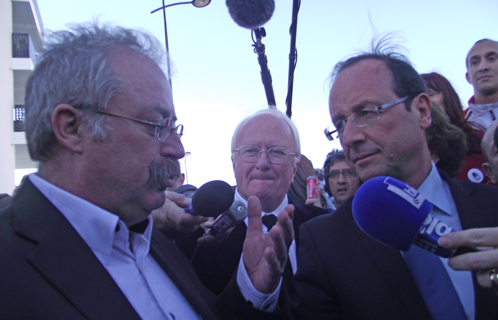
251 14
390 211
212 198
496 137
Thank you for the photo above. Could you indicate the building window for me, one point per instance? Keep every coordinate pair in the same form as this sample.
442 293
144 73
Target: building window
19 118
20 45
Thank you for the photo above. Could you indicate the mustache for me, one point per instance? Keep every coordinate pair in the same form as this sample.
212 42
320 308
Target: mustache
161 170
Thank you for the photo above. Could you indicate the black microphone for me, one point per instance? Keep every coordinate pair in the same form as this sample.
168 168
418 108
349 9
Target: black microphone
236 214
395 214
211 199
251 14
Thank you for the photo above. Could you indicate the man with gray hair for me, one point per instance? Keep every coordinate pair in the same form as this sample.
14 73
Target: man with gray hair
265 152
77 239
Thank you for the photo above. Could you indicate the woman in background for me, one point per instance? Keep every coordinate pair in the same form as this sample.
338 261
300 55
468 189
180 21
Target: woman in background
441 91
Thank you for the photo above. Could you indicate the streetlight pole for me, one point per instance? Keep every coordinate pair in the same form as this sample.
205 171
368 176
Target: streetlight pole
195 3
188 153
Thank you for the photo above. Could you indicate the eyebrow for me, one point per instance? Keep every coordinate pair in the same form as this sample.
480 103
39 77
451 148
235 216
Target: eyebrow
162 111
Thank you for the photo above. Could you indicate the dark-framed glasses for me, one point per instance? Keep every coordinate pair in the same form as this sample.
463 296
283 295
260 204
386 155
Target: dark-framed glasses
163 129
363 117
277 155
347 173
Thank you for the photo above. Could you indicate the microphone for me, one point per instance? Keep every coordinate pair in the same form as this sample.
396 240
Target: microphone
211 199
250 14
397 215
236 214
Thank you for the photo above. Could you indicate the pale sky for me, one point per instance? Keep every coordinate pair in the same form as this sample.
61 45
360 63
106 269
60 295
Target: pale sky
217 82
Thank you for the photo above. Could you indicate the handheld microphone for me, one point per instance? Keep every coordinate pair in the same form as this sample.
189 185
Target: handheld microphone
236 214
250 14
397 215
211 199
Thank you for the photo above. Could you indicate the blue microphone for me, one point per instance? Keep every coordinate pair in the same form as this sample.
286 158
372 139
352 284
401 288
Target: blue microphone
397 215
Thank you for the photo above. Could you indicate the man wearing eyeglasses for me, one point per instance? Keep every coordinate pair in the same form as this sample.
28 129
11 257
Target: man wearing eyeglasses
380 109
340 181
265 152
77 240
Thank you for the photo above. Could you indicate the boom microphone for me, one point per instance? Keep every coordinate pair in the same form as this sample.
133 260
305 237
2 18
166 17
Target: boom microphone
236 214
211 199
251 14
397 215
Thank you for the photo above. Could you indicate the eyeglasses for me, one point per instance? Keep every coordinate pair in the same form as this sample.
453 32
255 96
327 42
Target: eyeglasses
334 174
362 118
277 155
163 129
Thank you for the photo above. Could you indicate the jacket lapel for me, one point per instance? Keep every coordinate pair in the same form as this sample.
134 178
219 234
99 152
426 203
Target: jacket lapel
179 270
394 271
64 259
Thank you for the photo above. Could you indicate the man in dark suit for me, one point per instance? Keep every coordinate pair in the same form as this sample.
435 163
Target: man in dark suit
265 153
77 240
380 108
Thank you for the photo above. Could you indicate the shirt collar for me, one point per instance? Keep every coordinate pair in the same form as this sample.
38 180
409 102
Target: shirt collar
434 191
95 225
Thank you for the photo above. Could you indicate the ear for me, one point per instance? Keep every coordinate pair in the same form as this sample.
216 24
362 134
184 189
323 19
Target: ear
422 103
67 126
488 171
294 171
467 77
182 179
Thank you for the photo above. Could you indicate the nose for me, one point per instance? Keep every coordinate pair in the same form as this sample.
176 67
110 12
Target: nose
173 146
341 178
351 135
483 66
263 162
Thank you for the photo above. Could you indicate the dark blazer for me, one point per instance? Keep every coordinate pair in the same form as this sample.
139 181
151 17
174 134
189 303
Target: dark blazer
215 265
47 271
344 274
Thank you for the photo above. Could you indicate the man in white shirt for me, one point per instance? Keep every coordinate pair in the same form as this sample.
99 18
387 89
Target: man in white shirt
482 74
77 239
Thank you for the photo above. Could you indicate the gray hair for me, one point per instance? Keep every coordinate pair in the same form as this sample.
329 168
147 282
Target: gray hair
275 112
74 69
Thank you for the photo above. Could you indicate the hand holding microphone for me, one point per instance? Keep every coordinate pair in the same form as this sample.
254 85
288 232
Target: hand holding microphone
484 261
211 199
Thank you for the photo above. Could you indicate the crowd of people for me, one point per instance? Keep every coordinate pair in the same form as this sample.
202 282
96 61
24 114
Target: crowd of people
101 230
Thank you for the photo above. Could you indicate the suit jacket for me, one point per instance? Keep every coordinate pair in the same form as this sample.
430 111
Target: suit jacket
345 274
215 265
49 272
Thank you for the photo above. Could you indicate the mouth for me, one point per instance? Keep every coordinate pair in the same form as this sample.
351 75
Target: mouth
362 158
484 78
342 190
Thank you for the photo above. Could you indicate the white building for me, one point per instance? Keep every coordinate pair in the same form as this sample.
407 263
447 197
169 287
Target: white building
20 38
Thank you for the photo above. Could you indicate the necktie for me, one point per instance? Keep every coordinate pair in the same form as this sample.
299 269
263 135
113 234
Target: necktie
434 284
269 221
